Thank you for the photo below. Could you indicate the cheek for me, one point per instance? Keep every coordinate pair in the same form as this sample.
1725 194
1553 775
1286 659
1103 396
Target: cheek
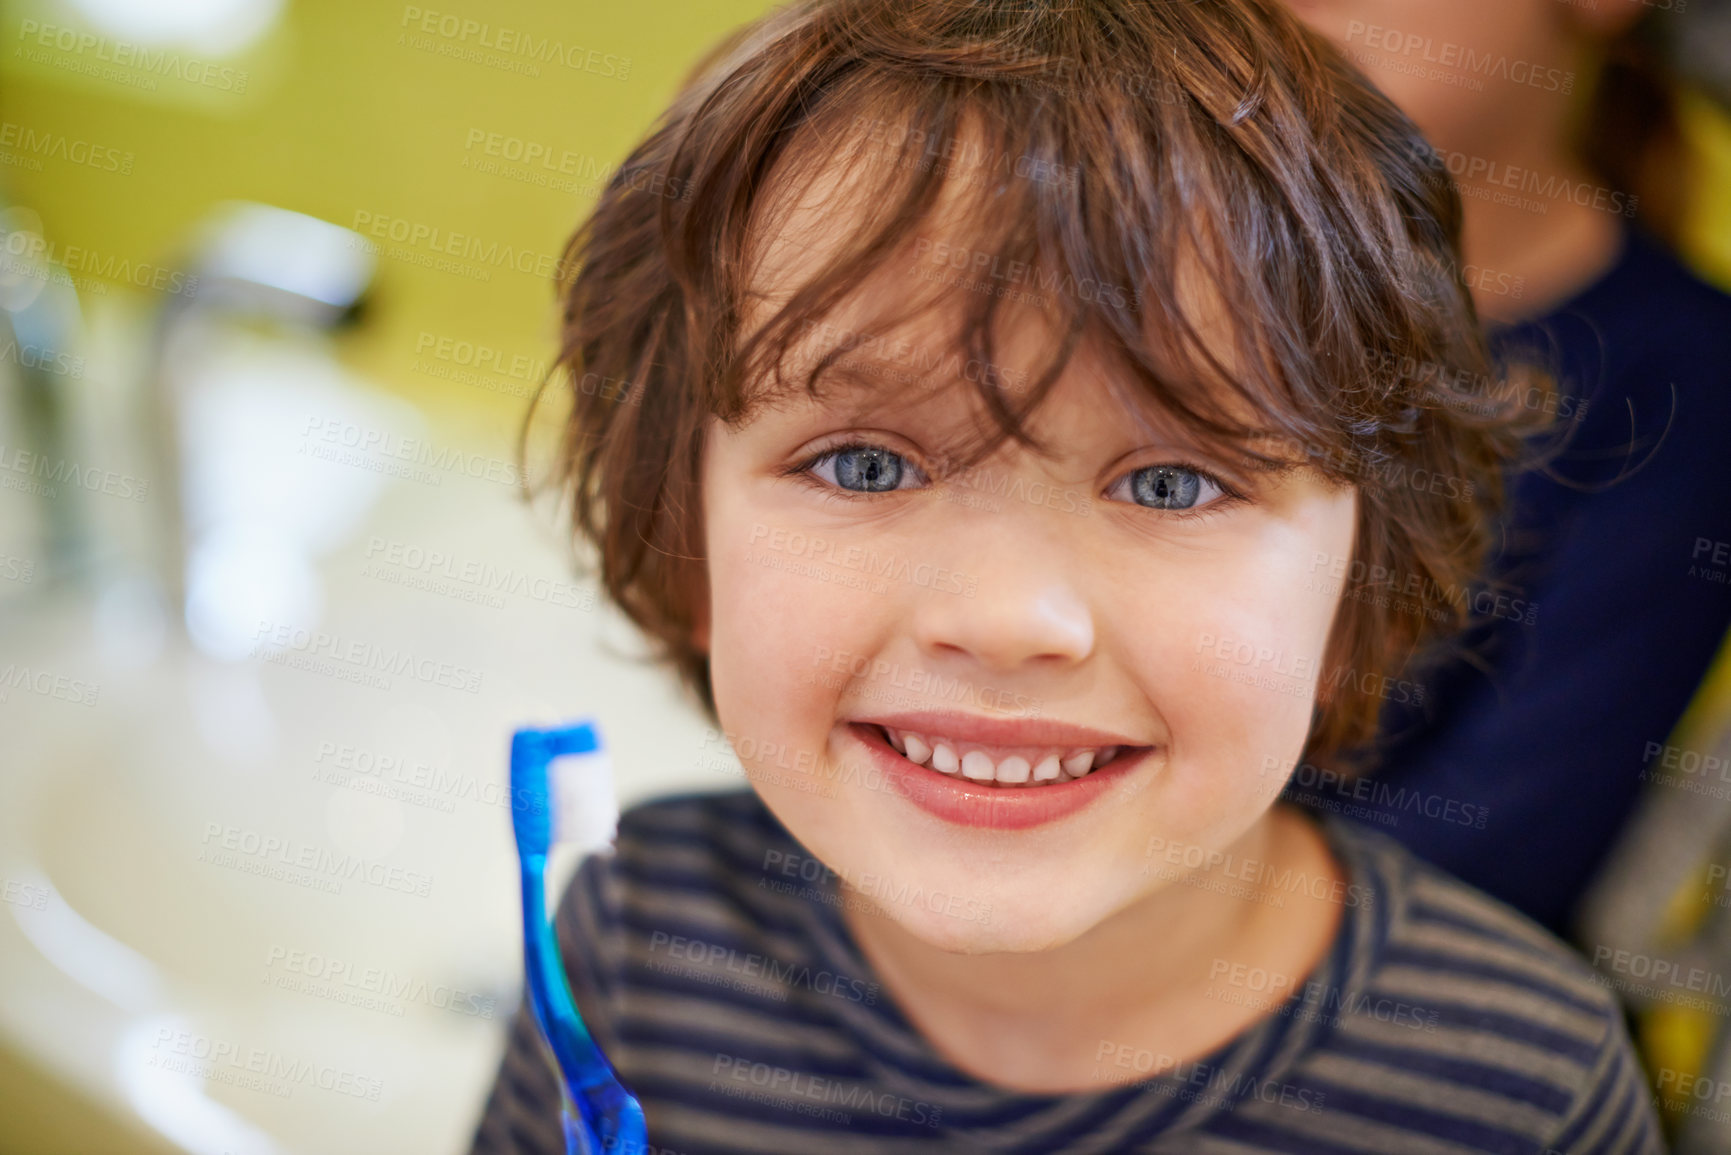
765 654
1235 649
772 660
787 631
1238 696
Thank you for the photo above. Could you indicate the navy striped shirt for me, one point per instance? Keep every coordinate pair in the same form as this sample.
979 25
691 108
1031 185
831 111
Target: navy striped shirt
730 995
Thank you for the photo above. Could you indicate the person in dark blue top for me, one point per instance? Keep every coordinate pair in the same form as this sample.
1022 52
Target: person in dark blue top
1606 608
1605 604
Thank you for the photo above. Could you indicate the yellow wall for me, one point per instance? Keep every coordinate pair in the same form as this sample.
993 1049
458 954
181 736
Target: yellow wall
1707 230
343 113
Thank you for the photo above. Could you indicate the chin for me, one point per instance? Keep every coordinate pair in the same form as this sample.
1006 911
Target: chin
1004 926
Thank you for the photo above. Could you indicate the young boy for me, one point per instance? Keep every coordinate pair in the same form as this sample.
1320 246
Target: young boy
1029 402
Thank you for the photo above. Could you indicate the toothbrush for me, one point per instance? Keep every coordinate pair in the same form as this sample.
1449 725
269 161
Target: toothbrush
559 797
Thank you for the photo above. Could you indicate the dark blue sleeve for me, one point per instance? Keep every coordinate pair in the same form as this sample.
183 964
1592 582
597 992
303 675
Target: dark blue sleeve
1615 1114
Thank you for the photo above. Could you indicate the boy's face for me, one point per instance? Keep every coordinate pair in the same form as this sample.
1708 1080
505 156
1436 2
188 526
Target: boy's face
1032 609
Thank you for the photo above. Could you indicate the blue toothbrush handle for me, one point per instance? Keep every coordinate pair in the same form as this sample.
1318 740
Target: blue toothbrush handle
610 1119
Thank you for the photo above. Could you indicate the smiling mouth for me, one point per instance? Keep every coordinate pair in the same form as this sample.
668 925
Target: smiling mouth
1011 768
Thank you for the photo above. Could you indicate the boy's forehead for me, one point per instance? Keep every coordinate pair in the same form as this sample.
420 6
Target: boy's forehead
912 378
814 204
829 193
874 354
894 338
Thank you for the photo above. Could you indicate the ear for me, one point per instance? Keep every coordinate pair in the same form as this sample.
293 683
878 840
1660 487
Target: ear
1606 20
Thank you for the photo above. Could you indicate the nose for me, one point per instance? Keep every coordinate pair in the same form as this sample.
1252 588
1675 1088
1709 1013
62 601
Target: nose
1019 601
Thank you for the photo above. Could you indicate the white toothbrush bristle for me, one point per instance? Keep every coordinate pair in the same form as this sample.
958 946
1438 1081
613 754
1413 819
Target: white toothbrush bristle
584 808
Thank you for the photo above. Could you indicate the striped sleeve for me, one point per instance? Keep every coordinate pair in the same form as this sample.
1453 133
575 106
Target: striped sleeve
522 1112
1614 1114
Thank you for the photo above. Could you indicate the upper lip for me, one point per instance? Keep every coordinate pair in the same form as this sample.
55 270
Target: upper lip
999 731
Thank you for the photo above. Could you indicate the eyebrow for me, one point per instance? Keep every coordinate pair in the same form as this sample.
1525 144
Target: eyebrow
876 385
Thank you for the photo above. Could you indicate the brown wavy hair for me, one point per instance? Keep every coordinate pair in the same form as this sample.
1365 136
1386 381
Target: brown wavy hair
1118 149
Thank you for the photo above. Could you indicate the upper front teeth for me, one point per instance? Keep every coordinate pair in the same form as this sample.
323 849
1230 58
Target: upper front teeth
950 757
977 766
1079 764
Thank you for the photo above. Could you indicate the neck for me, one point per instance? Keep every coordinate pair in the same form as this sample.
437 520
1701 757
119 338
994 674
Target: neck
1521 233
1036 1021
1520 262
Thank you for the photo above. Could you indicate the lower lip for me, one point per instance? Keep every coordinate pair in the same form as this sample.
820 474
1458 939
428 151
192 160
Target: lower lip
966 803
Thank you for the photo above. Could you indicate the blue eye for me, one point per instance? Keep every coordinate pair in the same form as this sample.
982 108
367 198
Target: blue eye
864 468
1173 487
